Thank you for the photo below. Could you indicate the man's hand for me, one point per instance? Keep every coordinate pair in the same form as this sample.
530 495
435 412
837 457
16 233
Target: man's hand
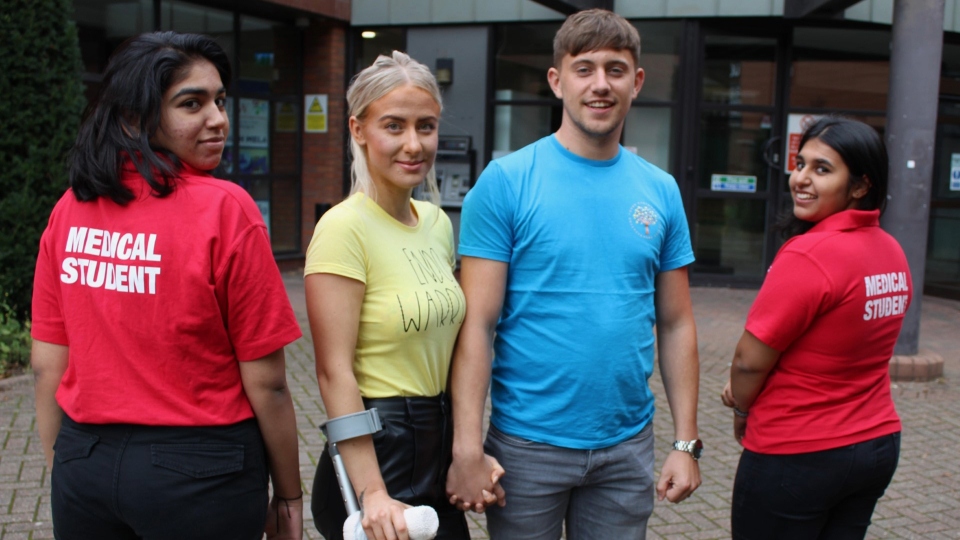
679 478
474 483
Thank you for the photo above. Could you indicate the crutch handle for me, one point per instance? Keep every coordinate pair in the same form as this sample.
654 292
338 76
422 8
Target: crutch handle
422 524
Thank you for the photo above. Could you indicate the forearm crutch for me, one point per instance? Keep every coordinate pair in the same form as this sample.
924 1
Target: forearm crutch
422 521
346 427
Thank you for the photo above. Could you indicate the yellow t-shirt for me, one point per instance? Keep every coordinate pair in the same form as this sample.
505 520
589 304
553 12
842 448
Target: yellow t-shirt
412 307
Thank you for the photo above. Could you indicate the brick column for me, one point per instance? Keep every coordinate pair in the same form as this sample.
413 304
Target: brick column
324 66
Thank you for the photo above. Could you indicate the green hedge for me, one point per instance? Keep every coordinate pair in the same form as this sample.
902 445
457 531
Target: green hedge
40 107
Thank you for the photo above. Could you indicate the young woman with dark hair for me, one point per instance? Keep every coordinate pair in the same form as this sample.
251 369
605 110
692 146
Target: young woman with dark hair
159 319
810 384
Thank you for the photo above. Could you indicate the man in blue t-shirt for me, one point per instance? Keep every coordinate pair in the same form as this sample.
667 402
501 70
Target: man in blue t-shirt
572 251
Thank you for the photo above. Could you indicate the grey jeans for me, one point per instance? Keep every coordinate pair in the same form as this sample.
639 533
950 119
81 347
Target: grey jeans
599 494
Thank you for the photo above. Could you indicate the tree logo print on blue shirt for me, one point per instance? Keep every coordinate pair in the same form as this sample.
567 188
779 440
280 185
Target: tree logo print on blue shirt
644 220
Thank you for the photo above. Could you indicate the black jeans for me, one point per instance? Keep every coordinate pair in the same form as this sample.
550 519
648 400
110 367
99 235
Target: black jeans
122 481
413 451
818 495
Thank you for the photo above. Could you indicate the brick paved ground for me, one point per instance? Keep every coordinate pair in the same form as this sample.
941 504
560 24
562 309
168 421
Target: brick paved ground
923 501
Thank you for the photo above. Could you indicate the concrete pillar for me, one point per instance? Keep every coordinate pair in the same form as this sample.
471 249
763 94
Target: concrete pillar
910 137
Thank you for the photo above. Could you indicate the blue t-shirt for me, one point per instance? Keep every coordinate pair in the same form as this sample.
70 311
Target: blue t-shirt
584 241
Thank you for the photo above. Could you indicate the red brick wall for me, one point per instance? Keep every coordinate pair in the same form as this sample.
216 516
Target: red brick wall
324 67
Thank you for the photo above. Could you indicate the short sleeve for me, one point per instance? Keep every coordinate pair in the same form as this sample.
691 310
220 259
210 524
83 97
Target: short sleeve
487 217
47 312
677 250
253 299
337 246
793 294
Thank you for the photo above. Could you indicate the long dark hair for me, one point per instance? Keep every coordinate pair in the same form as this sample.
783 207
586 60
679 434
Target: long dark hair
123 118
865 155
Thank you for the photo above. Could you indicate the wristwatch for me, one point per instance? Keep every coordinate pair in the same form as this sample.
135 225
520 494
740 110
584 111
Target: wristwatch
694 447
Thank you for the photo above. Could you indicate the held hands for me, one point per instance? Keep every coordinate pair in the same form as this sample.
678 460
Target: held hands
468 487
679 478
739 422
284 519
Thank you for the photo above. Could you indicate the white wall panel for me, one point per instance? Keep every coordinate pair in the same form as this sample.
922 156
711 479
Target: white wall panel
745 8
498 10
369 12
692 8
641 8
409 11
532 11
443 11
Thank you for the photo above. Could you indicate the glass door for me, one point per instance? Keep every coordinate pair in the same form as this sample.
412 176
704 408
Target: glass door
736 173
942 276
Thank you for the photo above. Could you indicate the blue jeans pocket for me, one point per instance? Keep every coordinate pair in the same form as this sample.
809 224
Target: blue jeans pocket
198 460
73 444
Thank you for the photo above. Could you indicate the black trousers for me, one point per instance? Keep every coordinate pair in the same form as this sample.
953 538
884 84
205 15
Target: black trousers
817 495
122 481
414 453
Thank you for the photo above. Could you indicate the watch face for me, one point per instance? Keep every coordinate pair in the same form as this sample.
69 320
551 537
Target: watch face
697 448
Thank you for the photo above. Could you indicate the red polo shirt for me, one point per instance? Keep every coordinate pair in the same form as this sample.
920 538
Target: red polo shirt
158 301
833 302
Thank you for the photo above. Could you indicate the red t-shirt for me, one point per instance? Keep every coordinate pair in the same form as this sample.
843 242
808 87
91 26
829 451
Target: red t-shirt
833 302
158 300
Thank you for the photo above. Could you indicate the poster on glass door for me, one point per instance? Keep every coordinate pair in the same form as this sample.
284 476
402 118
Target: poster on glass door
254 136
796 125
954 172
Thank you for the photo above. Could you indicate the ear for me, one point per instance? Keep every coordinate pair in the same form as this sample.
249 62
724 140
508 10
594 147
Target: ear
356 131
130 126
862 188
553 77
638 82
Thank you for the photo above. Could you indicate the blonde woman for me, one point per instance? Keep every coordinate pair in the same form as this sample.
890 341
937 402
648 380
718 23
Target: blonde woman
385 308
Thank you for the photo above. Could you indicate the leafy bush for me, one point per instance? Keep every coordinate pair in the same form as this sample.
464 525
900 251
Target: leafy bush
14 342
42 98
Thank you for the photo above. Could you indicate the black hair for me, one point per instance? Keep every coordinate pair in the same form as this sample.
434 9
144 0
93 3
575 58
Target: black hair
863 152
120 122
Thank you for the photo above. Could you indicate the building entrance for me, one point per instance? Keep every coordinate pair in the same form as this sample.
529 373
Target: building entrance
735 176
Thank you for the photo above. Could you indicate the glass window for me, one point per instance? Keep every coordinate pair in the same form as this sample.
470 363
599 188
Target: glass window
376 41
840 69
660 59
950 72
728 236
254 136
269 58
648 131
285 213
516 126
183 17
102 25
284 155
739 70
732 144
524 54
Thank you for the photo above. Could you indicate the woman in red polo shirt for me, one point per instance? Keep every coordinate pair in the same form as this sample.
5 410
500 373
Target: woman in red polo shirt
809 384
159 319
